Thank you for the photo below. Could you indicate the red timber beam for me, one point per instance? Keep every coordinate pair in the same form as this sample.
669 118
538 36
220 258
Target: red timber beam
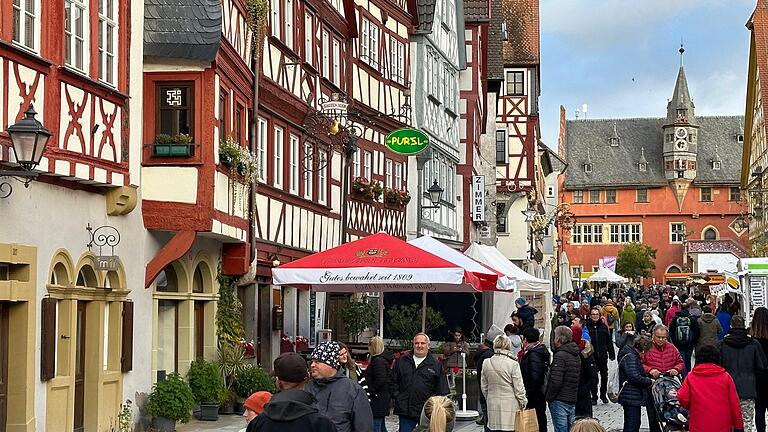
180 244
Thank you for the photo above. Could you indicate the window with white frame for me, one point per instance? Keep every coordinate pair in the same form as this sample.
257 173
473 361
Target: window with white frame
356 164
399 176
24 23
289 23
369 43
450 195
307 173
276 20
262 150
676 232
515 83
279 142
388 173
587 234
447 86
293 164
337 62
107 41
367 163
326 54
397 60
322 178
309 37
624 233
576 272
75 23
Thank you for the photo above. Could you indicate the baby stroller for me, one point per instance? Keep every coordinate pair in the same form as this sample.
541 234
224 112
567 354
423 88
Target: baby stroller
671 416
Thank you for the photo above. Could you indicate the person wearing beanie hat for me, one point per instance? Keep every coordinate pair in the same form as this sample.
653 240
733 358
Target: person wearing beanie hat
742 358
254 405
484 352
291 409
526 313
339 398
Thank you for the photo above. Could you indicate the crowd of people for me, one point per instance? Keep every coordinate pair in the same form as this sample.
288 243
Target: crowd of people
685 360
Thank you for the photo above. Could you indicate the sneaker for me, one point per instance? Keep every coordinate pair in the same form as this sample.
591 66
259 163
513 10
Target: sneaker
604 399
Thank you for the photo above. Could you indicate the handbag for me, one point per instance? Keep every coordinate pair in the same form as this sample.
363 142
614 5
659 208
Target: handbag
526 421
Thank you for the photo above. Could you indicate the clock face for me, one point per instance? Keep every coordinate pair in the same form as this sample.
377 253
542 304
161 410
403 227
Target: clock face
681 133
681 144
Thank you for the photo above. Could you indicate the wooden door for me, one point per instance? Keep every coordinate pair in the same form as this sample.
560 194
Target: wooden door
4 309
80 368
199 329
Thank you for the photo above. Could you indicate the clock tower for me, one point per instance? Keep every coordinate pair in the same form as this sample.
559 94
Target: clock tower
680 138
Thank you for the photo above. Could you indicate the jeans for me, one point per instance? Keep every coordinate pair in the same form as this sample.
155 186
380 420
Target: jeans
686 354
563 415
602 366
631 418
379 425
761 405
407 424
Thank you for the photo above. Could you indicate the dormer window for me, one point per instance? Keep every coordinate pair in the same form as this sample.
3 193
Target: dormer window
614 141
588 168
716 165
642 166
740 138
682 113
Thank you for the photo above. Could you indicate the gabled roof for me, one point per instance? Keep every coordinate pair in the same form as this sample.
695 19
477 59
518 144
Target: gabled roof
617 166
189 29
522 45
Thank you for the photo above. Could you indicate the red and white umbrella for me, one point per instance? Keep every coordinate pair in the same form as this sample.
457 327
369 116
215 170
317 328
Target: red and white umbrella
378 262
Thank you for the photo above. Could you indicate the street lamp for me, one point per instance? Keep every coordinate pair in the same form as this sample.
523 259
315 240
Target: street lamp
28 138
435 195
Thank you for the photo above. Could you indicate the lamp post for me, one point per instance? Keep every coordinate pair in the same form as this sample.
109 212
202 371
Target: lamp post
28 139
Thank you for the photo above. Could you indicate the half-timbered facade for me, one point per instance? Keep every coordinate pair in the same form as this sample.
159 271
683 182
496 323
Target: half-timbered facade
196 191
438 51
71 60
355 53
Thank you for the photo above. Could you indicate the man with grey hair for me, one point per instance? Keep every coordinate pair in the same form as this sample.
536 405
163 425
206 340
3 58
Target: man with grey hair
662 358
417 377
563 383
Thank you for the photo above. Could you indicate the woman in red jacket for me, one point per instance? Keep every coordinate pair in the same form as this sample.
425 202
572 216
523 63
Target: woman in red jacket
709 393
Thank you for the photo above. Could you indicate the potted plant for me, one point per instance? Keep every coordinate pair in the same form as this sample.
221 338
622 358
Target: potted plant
171 400
377 189
357 315
173 146
207 388
251 379
231 362
233 155
361 186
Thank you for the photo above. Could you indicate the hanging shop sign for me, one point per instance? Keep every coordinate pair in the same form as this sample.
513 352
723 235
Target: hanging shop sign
407 141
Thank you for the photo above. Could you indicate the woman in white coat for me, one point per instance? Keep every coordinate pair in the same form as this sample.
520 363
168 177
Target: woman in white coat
502 385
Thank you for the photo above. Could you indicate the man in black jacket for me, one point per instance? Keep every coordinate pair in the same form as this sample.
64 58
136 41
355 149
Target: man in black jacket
291 409
526 313
416 377
563 380
602 346
484 352
743 357
534 365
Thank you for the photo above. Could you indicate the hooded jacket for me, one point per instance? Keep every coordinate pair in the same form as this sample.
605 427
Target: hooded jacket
709 393
743 357
378 379
526 314
628 315
693 327
291 411
633 381
414 385
343 401
610 310
564 374
709 328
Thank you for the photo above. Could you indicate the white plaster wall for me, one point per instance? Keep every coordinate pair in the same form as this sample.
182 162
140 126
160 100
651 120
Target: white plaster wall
716 261
514 244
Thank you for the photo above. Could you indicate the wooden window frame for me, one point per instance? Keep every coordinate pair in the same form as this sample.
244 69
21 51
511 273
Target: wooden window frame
705 194
71 38
516 85
108 73
20 39
190 107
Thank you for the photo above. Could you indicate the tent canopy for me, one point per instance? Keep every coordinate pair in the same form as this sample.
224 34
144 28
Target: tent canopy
492 257
605 275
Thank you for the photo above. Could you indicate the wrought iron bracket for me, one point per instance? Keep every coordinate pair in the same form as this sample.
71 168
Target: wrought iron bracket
103 236
22 176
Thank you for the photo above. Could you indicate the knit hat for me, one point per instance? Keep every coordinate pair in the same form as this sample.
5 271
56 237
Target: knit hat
291 367
737 322
328 353
493 332
520 301
256 401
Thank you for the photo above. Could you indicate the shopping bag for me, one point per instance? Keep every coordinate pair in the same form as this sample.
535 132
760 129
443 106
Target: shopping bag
613 385
526 421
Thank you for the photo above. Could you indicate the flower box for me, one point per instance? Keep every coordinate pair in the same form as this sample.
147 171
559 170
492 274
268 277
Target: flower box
173 150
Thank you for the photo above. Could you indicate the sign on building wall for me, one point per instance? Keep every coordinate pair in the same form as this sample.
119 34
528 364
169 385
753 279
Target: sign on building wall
478 198
407 141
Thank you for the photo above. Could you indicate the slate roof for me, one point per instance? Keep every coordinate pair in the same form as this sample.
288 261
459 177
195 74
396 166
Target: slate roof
426 11
189 29
522 46
476 11
617 166
495 59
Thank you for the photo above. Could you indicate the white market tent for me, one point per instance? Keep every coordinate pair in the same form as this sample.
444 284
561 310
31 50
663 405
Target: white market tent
605 275
524 284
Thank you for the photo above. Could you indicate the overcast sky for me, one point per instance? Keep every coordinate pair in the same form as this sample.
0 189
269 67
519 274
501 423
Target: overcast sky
620 57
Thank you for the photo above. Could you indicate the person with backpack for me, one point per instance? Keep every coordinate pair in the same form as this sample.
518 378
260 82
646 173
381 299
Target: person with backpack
709 328
611 315
684 333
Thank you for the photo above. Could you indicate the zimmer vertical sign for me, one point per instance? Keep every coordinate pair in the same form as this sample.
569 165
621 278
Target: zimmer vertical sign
478 198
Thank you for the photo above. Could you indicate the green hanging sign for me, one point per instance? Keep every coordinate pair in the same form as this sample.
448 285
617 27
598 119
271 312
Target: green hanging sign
407 141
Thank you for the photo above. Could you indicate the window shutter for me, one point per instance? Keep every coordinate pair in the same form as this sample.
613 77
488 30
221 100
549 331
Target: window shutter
126 361
48 339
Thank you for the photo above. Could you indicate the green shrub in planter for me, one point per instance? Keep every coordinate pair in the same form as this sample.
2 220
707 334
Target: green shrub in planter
205 382
171 398
252 379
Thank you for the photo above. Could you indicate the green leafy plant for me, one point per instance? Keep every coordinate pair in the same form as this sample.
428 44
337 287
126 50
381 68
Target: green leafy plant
252 379
357 315
229 322
163 139
171 398
231 363
397 197
257 12
377 189
635 260
182 139
232 154
362 186
405 321
205 382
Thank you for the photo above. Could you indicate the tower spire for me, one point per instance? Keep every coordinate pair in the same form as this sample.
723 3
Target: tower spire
681 107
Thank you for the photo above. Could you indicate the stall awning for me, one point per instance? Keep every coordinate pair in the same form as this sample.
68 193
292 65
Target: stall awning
493 258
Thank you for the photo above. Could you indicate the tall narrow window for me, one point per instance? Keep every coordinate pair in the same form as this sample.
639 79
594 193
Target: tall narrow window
578 197
326 49
239 113
75 17
289 23
262 150
388 174
175 109
107 41
278 157
24 21
501 147
399 176
369 43
397 60
293 162
309 37
367 165
336 62
307 158
223 113
322 178
356 164
276 21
